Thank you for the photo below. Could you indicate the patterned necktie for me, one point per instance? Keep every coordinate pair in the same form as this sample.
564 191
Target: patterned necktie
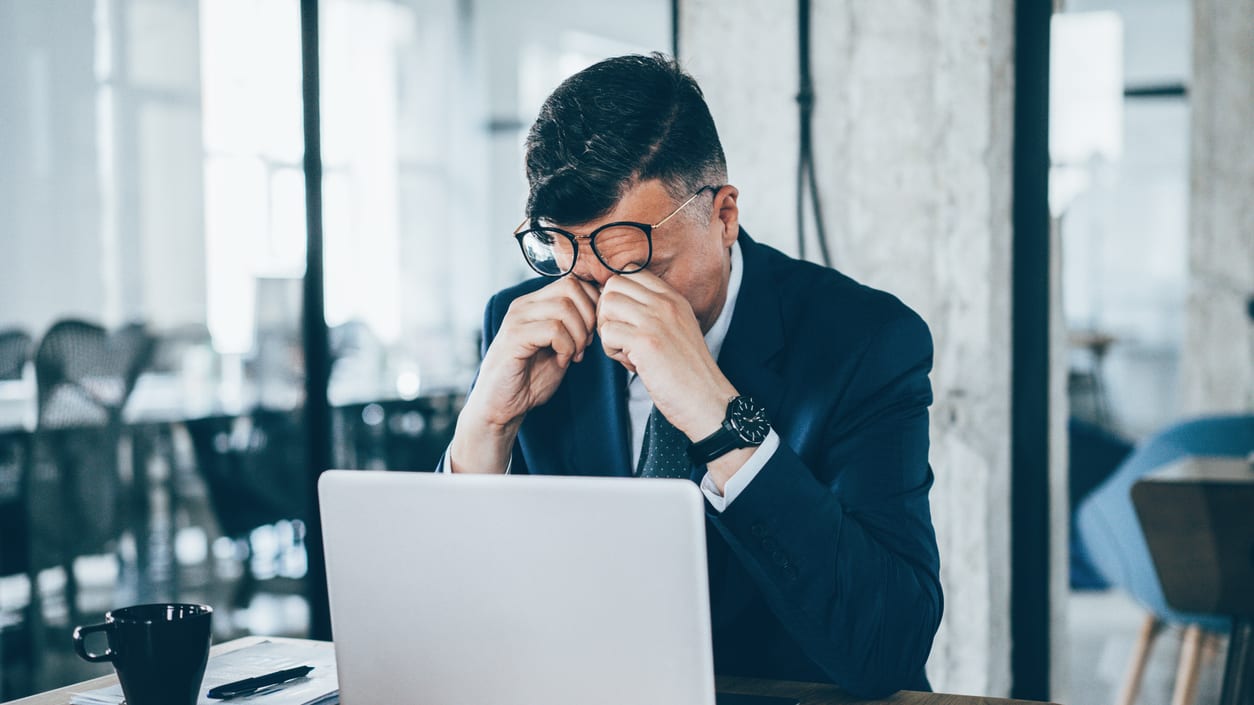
665 449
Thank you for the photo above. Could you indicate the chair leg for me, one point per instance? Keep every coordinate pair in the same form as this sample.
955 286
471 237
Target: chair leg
1186 671
1212 648
1239 669
1150 629
36 635
71 590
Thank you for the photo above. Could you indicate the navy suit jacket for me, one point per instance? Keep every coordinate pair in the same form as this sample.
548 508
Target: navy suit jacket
825 568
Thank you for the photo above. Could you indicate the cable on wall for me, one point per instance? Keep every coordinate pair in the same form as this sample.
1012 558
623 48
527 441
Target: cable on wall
806 179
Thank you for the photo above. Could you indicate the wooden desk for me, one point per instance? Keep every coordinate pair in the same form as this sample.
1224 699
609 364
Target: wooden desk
820 694
807 693
1197 518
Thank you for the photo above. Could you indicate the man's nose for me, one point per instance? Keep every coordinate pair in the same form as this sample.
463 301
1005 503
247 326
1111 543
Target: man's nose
589 268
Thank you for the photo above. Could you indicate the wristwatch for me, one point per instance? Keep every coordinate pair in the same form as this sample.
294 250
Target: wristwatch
744 425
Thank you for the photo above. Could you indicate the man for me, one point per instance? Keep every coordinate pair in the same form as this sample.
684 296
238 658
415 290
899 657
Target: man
662 341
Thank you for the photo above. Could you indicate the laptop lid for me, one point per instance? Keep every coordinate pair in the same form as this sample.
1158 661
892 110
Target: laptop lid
527 590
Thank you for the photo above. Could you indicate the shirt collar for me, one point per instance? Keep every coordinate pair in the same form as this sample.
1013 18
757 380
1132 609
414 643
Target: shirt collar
718 332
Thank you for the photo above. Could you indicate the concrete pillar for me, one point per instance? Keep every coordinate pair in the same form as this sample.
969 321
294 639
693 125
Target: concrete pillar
913 144
1217 367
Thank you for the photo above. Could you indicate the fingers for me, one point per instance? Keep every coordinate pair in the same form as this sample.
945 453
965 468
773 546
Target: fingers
617 318
616 337
616 306
628 299
585 297
589 289
627 285
646 280
640 325
555 325
647 289
569 305
549 334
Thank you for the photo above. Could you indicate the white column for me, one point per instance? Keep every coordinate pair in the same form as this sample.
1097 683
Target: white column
913 144
1217 366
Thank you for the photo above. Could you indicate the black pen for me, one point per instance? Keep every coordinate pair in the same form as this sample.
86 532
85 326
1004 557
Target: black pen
248 686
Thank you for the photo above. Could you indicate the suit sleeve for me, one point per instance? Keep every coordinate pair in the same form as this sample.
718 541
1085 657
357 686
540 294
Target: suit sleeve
841 542
493 314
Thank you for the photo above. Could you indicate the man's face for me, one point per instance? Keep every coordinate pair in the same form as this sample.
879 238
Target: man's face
690 251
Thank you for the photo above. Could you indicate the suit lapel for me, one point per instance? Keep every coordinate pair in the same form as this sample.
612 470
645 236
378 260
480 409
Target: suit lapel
756 334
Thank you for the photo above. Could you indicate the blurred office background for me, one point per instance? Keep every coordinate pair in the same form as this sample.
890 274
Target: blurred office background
154 431
153 438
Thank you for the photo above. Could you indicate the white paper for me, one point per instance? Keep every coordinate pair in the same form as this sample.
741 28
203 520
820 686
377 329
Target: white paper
320 687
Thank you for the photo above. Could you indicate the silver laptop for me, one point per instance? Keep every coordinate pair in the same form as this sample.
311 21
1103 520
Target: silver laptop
517 590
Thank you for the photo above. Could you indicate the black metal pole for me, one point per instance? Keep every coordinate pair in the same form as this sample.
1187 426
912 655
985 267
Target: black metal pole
314 325
1238 688
675 29
1029 450
805 103
1157 90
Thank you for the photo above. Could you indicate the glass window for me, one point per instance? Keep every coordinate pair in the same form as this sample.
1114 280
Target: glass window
154 200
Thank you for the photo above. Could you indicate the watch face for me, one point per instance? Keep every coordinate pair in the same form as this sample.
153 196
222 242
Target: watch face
748 420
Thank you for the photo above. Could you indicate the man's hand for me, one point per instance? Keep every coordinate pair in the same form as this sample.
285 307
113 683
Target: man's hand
650 328
542 333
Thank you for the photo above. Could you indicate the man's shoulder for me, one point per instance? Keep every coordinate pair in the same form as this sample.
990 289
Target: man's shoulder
824 298
500 301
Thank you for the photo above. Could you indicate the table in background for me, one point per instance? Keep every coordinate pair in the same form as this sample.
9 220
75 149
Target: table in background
1198 520
807 693
370 430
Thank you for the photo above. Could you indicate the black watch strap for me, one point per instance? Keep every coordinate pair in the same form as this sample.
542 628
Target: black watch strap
715 445
744 425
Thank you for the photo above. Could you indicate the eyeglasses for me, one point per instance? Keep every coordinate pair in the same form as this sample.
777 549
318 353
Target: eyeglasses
624 247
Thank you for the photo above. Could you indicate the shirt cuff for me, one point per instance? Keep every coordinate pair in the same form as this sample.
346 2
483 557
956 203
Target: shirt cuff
741 479
445 466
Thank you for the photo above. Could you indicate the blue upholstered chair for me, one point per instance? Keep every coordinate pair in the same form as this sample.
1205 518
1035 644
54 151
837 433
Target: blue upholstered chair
1110 531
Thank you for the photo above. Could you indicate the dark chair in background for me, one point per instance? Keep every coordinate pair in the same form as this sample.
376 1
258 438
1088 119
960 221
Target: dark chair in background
1195 515
20 632
358 364
353 338
1086 380
184 356
255 471
85 374
1109 527
15 349
1093 454
78 494
395 434
171 345
370 430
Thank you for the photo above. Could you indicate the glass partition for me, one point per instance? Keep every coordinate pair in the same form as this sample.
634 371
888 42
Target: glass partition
152 439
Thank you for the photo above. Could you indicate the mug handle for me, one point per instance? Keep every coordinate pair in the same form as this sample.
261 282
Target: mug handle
80 644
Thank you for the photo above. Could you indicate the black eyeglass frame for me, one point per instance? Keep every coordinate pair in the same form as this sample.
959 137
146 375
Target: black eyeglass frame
645 228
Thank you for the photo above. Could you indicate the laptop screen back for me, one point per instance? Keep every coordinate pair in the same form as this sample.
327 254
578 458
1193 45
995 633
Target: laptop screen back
528 590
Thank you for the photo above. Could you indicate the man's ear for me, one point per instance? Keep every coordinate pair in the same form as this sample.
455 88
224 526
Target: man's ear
727 213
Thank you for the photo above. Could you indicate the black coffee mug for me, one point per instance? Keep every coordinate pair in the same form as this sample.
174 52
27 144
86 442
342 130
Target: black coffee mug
159 651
